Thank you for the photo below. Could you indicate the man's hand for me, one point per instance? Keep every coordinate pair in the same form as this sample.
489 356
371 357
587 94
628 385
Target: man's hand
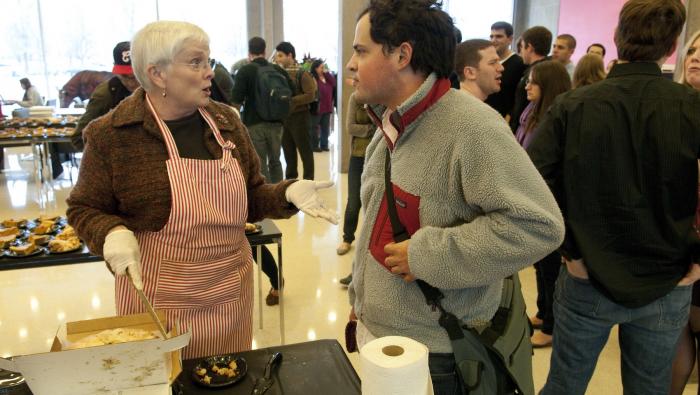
352 316
303 195
576 268
397 260
691 276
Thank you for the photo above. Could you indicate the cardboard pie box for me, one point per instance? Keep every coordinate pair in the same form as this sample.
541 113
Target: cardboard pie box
137 367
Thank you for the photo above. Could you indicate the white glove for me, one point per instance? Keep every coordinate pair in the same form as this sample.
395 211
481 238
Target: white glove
303 195
121 251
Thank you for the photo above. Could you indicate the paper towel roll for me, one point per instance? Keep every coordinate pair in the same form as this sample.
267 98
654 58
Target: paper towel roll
395 365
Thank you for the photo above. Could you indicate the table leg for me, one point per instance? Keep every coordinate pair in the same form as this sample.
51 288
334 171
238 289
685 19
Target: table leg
258 249
280 281
46 187
38 176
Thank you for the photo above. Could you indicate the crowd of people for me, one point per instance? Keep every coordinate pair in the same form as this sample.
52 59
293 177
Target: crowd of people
471 160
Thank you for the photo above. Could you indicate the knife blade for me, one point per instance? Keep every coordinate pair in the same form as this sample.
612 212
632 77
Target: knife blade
149 308
264 383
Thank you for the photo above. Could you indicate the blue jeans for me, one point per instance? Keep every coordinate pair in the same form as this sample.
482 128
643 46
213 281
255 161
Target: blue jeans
443 374
267 141
314 131
352 209
324 124
648 337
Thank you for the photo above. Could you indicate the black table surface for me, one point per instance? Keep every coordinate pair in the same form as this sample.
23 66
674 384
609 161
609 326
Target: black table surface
311 368
270 234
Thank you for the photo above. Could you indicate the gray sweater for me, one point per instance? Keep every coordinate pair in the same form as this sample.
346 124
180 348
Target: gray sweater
484 211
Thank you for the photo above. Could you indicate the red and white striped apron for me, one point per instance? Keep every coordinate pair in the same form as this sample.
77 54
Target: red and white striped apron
198 267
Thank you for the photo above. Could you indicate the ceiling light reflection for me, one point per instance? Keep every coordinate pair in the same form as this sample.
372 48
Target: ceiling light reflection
332 316
96 302
33 304
318 293
61 316
311 334
23 333
255 345
18 192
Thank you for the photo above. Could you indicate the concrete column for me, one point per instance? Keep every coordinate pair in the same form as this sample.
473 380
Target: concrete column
349 10
529 13
266 20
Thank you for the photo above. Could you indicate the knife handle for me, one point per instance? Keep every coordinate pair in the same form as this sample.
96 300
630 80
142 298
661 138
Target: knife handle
275 359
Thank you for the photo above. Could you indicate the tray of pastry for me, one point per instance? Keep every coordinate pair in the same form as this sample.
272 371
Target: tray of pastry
46 235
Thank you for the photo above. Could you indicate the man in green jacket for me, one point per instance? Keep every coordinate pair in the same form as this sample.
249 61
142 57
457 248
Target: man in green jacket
109 93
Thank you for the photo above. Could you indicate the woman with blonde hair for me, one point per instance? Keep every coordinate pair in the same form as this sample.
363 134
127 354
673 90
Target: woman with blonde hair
589 70
688 348
167 182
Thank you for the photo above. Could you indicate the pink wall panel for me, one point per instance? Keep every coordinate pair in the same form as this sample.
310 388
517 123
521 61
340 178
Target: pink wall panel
592 21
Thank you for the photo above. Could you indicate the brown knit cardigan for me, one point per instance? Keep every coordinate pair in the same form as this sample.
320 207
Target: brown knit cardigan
124 180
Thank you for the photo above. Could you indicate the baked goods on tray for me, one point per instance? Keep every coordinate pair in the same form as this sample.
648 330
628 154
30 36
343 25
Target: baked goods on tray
112 336
13 230
9 223
44 227
23 249
67 233
5 241
64 245
39 240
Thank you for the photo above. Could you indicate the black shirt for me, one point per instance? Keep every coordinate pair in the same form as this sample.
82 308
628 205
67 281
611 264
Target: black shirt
520 97
621 157
188 133
244 89
502 101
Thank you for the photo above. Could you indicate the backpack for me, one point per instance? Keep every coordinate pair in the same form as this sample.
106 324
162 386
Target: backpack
313 106
273 97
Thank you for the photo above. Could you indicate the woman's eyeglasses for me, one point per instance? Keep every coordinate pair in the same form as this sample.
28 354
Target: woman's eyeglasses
198 65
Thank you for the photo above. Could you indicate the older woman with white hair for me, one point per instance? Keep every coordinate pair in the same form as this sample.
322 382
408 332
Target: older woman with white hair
167 181
688 347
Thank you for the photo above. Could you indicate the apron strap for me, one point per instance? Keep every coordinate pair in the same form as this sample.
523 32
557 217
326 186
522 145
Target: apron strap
167 136
226 146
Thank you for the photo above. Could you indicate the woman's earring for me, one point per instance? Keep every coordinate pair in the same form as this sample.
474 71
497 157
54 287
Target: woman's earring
164 93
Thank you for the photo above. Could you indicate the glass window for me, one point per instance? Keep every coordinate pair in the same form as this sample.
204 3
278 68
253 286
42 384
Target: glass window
80 35
20 39
474 17
318 36
224 22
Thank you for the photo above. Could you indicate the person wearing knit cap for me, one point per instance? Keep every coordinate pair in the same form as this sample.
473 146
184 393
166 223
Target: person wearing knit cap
109 93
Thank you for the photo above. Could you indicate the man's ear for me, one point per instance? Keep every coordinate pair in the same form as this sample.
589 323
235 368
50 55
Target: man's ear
469 73
157 75
405 51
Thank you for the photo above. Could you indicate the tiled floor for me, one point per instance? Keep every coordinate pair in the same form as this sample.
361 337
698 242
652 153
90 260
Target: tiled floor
35 301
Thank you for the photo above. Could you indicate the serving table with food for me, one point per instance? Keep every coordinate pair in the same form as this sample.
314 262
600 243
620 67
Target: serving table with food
38 133
47 240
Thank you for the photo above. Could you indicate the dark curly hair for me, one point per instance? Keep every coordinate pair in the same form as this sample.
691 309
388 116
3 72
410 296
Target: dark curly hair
421 23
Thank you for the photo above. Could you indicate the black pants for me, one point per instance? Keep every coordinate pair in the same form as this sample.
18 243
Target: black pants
546 272
352 209
269 267
296 137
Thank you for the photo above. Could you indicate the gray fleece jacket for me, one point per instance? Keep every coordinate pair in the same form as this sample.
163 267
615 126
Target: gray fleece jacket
477 209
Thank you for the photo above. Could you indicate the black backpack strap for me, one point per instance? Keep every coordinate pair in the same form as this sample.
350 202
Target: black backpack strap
469 367
433 296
